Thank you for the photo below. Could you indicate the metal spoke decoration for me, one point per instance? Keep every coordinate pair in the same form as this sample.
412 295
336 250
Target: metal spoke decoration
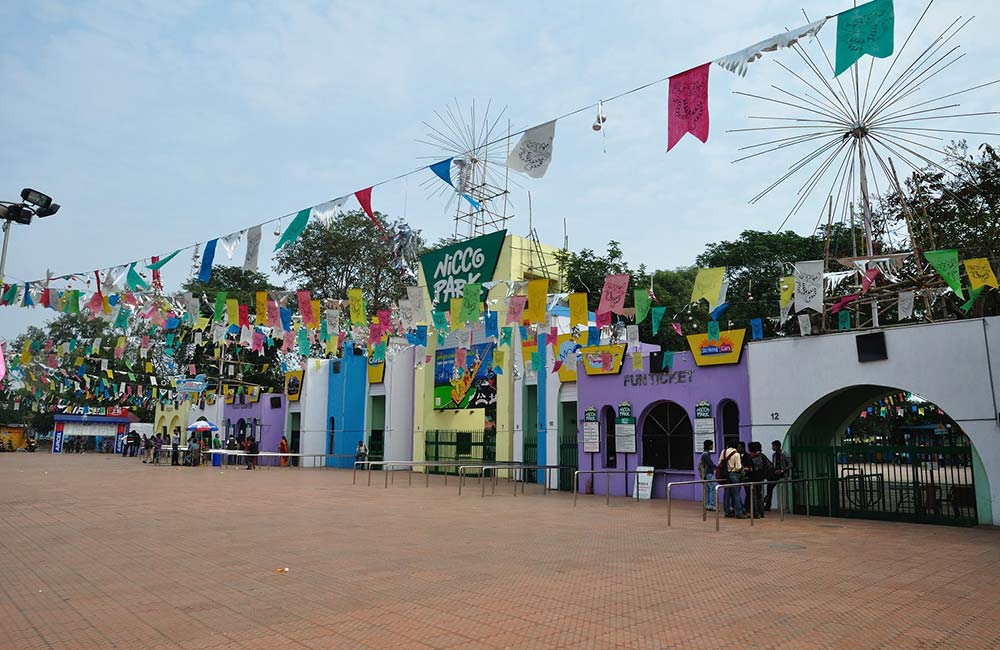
474 139
848 129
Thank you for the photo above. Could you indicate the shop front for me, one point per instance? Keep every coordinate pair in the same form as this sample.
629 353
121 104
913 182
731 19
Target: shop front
657 415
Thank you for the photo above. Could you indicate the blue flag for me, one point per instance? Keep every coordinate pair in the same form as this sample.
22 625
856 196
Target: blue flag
718 311
206 262
492 325
593 336
756 329
286 319
422 335
443 170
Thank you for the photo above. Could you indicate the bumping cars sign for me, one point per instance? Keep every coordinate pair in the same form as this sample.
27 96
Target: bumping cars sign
723 350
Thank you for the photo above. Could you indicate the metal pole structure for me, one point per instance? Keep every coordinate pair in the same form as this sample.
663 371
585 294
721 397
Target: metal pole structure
867 208
3 256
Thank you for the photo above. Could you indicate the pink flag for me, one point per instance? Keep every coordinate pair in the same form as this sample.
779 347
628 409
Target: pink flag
606 361
613 295
257 343
305 308
843 302
96 303
244 315
866 282
603 319
340 338
553 336
385 321
365 199
515 309
556 366
3 364
273 315
677 328
687 106
374 334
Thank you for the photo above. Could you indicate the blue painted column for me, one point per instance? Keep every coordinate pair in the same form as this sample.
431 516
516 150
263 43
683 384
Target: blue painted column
541 374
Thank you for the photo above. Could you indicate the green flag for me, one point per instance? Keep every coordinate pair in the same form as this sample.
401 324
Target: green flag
440 319
713 330
134 280
642 303
295 228
668 360
472 294
844 320
658 314
973 294
505 335
72 302
945 262
220 306
156 266
867 29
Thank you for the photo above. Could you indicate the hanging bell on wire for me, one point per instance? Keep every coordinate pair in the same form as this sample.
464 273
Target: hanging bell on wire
601 118
277 229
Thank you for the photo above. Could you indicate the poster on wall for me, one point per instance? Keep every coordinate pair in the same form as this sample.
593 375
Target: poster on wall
723 350
230 393
469 386
591 431
448 269
293 385
602 359
253 394
642 486
625 430
376 369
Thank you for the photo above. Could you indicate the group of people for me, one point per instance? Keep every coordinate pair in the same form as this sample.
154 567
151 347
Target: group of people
151 448
742 463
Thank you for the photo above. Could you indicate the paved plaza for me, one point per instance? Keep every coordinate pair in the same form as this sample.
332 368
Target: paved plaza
105 552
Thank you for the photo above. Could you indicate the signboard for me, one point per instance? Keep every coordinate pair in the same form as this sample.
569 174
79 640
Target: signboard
567 347
591 431
625 430
448 269
642 486
102 411
57 438
195 386
725 349
293 386
473 386
704 425
376 369
119 442
230 393
703 409
602 359
253 394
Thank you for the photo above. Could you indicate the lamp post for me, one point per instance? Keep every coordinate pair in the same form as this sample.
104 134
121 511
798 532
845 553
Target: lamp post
33 204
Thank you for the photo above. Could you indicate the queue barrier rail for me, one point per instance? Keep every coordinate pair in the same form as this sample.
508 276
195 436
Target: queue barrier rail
626 472
781 501
408 464
498 466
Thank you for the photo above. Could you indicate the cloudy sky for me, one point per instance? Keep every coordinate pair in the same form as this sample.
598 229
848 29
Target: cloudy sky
159 124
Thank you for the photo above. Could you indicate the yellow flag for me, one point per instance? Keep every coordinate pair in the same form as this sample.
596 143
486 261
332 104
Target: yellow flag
357 306
456 313
708 285
315 311
537 295
202 323
26 352
578 309
980 273
499 357
787 287
149 368
261 307
233 311
110 375
105 305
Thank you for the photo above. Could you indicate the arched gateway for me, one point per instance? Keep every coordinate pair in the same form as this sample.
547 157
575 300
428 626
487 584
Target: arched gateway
815 394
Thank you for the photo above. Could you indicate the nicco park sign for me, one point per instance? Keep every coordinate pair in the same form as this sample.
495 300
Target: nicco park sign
448 269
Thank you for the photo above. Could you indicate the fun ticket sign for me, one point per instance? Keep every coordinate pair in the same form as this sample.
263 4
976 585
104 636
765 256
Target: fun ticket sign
448 269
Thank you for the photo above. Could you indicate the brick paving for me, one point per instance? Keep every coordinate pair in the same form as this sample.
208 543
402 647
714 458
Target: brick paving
105 552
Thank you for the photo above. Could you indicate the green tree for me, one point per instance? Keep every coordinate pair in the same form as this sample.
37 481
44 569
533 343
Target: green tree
238 284
350 252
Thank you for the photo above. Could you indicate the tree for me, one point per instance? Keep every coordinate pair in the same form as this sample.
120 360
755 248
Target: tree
237 282
350 252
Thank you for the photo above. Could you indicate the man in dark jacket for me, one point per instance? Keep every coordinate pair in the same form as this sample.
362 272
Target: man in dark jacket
252 450
782 467
759 469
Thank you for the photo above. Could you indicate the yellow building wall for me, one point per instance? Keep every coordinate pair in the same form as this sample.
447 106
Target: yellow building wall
167 417
520 259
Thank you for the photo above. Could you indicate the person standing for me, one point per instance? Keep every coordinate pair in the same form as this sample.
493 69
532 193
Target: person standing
216 445
252 449
157 449
745 462
175 444
760 467
283 449
231 446
147 445
781 467
361 453
706 470
729 471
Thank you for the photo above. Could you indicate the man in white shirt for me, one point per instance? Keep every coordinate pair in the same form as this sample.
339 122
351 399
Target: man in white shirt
730 468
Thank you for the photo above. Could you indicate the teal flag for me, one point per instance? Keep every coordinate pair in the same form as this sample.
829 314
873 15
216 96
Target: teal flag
156 266
440 319
134 280
121 321
505 335
642 302
867 29
844 320
472 294
668 361
303 342
294 229
713 331
973 294
658 313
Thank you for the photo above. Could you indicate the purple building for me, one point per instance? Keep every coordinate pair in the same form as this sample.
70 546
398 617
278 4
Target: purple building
264 419
658 419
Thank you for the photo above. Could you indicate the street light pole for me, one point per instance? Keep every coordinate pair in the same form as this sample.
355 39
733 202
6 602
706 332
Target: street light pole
3 256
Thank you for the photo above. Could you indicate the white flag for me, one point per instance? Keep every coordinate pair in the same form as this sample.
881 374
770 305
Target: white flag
533 152
632 336
905 304
253 248
332 321
805 325
327 211
406 314
737 62
230 242
809 286
416 297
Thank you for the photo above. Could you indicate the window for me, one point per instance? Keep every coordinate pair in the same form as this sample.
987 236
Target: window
668 438
608 420
463 443
729 414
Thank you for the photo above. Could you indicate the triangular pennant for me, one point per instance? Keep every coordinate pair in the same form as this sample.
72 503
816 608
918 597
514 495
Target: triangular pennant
294 229
364 198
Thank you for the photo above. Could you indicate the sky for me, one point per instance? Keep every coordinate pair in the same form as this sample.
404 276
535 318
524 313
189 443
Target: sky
156 125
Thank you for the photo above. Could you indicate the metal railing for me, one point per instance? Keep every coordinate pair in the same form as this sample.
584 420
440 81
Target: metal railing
626 472
509 466
272 455
781 501
704 492
409 464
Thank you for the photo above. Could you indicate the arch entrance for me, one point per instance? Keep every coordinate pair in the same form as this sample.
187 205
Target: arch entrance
890 454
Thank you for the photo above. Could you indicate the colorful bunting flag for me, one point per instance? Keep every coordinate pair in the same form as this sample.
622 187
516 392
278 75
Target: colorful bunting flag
357 301
537 301
658 314
708 285
642 301
945 262
613 294
688 105
205 274
756 329
867 29
973 294
515 310
364 198
980 273
844 321
577 309
294 229
533 151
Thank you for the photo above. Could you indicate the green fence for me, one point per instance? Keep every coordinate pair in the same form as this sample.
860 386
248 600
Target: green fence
476 447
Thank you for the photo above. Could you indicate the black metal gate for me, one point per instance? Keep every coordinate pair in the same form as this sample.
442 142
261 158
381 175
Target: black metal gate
568 458
930 483
530 454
